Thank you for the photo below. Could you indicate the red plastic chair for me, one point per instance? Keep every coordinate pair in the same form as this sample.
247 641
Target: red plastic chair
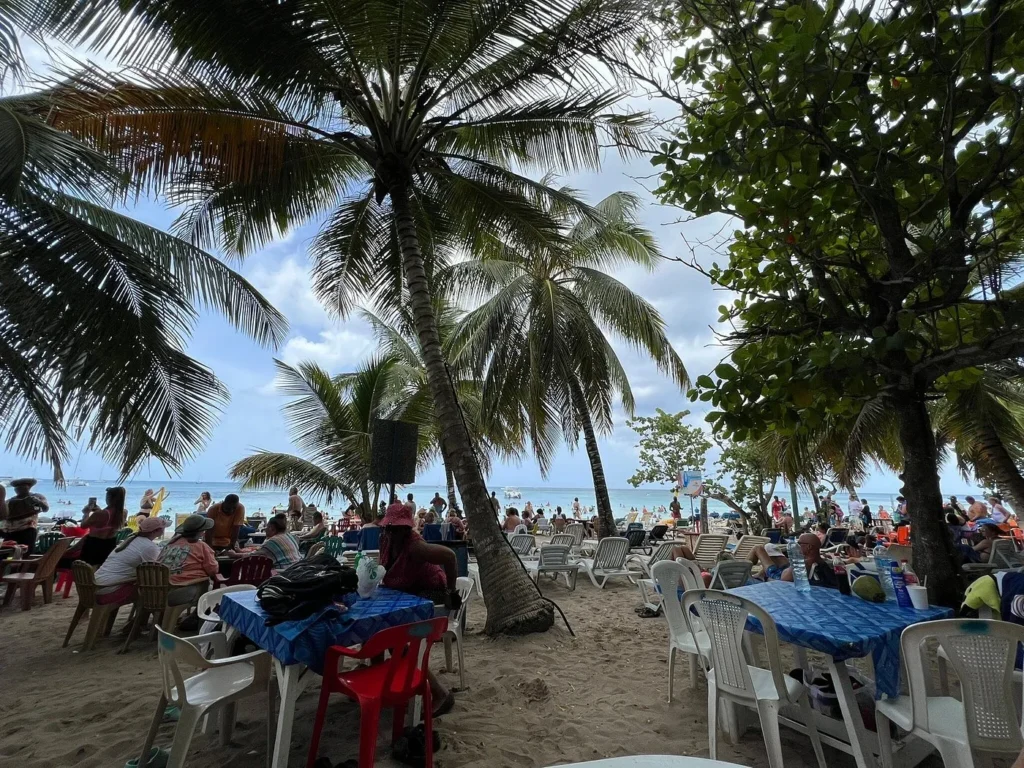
391 683
253 570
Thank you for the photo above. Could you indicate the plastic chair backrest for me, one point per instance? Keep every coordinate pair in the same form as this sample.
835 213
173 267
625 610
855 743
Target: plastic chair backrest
464 585
153 581
173 651
523 543
254 570
334 546
48 564
432 532
724 617
543 524
774 534
982 654
408 646
900 553
669 575
369 538
634 527
122 534
446 531
209 602
903 535
631 517
663 552
562 540
554 554
351 537
709 547
746 545
611 553
659 531
85 583
636 538
1002 553
836 536
578 531
45 541
729 574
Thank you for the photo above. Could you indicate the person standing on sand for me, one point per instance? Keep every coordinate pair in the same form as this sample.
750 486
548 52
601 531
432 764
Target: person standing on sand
495 503
21 521
294 509
203 503
227 517
976 510
576 509
438 504
147 503
675 509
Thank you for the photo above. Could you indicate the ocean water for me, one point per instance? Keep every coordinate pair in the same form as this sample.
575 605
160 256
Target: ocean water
69 500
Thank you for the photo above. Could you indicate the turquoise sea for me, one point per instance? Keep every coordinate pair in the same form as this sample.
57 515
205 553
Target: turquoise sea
70 499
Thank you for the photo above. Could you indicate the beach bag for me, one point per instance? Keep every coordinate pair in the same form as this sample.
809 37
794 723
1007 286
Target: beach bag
304 588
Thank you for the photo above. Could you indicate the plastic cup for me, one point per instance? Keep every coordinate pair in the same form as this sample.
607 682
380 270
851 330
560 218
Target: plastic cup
918 596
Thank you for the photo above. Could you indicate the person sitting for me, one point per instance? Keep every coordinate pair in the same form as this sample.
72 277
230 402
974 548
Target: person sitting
955 525
227 517
103 526
512 520
115 579
978 553
458 527
559 521
428 570
771 559
821 532
316 532
429 518
281 546
191 561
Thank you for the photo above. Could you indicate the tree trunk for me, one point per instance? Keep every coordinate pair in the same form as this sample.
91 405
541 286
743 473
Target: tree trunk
1002 467
934 556
795 498
705 525
449 478
514 606
605 518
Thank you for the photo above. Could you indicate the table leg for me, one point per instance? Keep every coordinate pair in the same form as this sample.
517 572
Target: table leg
862 741
291 680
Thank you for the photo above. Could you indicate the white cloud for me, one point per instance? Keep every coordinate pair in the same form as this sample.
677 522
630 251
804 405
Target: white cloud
336 350
287 286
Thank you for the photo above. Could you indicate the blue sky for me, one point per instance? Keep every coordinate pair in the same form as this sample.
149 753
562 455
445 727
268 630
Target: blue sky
253 419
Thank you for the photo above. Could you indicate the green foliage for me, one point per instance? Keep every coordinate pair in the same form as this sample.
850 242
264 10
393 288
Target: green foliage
752 477
667 445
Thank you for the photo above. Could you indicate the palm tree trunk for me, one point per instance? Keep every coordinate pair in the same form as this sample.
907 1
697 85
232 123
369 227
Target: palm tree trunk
1003 469
514 605
796 503
449 478
934 556
605 518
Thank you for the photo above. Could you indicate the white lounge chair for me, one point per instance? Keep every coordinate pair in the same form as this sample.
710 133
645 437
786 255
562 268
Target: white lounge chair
543 525
669 576
578 531
744 547
729 574
985 718
523 544
610 560
555 559
709 547
562 540
724 617
456 625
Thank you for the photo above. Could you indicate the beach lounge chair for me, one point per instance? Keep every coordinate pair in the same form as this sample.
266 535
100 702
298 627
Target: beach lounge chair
456 625
645 519
350 539
709 547
555 559
122 534
523 544
729 574
609 561
369 539
520 529
35 573
101 616
774 535
669 577
658 532
744 547
254 570
984 719
334 546
724 617
153 585
638 541
44 541
663 552
220 684
542 526
578 531
1000 557
561 540
316 549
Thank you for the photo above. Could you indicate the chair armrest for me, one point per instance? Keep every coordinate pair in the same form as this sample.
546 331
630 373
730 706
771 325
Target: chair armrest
246 658
217 640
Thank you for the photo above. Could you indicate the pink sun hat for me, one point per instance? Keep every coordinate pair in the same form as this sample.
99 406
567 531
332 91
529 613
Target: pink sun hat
398 514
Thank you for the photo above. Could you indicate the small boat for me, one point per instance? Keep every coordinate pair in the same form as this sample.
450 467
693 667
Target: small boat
512 493
75 482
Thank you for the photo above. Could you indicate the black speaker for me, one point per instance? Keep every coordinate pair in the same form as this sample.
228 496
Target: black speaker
393 452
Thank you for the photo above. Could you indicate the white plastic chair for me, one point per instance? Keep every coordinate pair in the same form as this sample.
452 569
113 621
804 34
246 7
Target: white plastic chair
561 540
724 617
709 547
456 624
209 603
555 559
543 525
523 544
578 531
745 546
982 655
1000 556
610 560
669 575
519 529
729 574
647 562
220 684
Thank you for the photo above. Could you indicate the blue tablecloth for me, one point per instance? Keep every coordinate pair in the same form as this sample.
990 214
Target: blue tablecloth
842 626
306 642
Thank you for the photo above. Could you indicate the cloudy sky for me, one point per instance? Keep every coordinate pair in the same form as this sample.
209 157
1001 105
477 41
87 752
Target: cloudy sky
253 418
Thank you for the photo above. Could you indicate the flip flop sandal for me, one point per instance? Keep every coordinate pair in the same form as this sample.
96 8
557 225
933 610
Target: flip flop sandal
172 714
647 613
158 758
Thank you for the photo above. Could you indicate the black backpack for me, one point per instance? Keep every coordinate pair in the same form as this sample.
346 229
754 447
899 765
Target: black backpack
304 588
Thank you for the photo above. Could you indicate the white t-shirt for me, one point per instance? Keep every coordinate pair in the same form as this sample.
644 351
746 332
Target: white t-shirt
855 507
119 567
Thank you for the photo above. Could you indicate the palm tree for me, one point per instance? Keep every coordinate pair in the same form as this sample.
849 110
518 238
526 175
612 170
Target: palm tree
539 336
96 306
395 331
331 420
402 121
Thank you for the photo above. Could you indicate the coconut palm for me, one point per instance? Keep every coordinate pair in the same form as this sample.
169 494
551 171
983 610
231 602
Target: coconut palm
408 123
330 419
539 337
395 331
96 306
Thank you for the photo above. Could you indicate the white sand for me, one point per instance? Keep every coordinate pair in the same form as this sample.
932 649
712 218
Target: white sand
531 701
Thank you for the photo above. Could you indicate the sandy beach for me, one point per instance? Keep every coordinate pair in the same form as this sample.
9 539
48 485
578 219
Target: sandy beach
531 701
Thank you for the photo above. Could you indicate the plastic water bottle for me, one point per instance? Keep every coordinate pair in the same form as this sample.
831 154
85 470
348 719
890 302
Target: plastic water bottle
883 563
796 561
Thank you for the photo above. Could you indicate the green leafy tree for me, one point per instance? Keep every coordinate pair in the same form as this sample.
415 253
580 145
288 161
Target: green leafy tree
411 125
330 420
97 307
667 445
873 158
541 336
751 481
